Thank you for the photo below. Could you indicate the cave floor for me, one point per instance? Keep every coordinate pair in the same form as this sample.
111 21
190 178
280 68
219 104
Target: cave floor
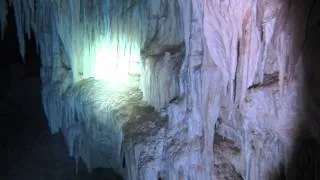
29 149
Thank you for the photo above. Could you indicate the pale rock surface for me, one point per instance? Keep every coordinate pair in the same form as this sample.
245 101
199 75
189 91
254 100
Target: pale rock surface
219 84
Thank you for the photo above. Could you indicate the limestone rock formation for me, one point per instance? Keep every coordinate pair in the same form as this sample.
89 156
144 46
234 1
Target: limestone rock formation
217 94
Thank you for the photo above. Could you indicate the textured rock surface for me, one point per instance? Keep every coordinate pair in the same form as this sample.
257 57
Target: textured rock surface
223 79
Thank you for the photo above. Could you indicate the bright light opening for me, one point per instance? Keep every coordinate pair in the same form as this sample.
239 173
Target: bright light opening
115 64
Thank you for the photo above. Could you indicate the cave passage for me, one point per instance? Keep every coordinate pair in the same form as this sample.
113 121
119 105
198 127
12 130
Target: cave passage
29 149
224 75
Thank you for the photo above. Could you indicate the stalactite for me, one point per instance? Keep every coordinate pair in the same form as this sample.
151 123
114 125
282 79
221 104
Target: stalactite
18 12
80 27
188 56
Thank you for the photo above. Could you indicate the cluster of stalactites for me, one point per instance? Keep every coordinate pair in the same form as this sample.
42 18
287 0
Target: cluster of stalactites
80 29
258 32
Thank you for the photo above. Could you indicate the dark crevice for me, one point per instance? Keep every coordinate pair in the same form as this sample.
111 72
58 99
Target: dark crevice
311 9
123 162
237 66
269 79
172 49
226 144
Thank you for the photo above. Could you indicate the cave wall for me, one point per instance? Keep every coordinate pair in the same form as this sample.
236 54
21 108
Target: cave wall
223 77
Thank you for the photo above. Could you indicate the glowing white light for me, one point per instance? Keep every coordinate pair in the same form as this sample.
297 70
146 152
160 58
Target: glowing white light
114 64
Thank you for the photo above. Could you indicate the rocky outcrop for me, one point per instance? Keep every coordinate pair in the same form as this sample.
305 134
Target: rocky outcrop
217 95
